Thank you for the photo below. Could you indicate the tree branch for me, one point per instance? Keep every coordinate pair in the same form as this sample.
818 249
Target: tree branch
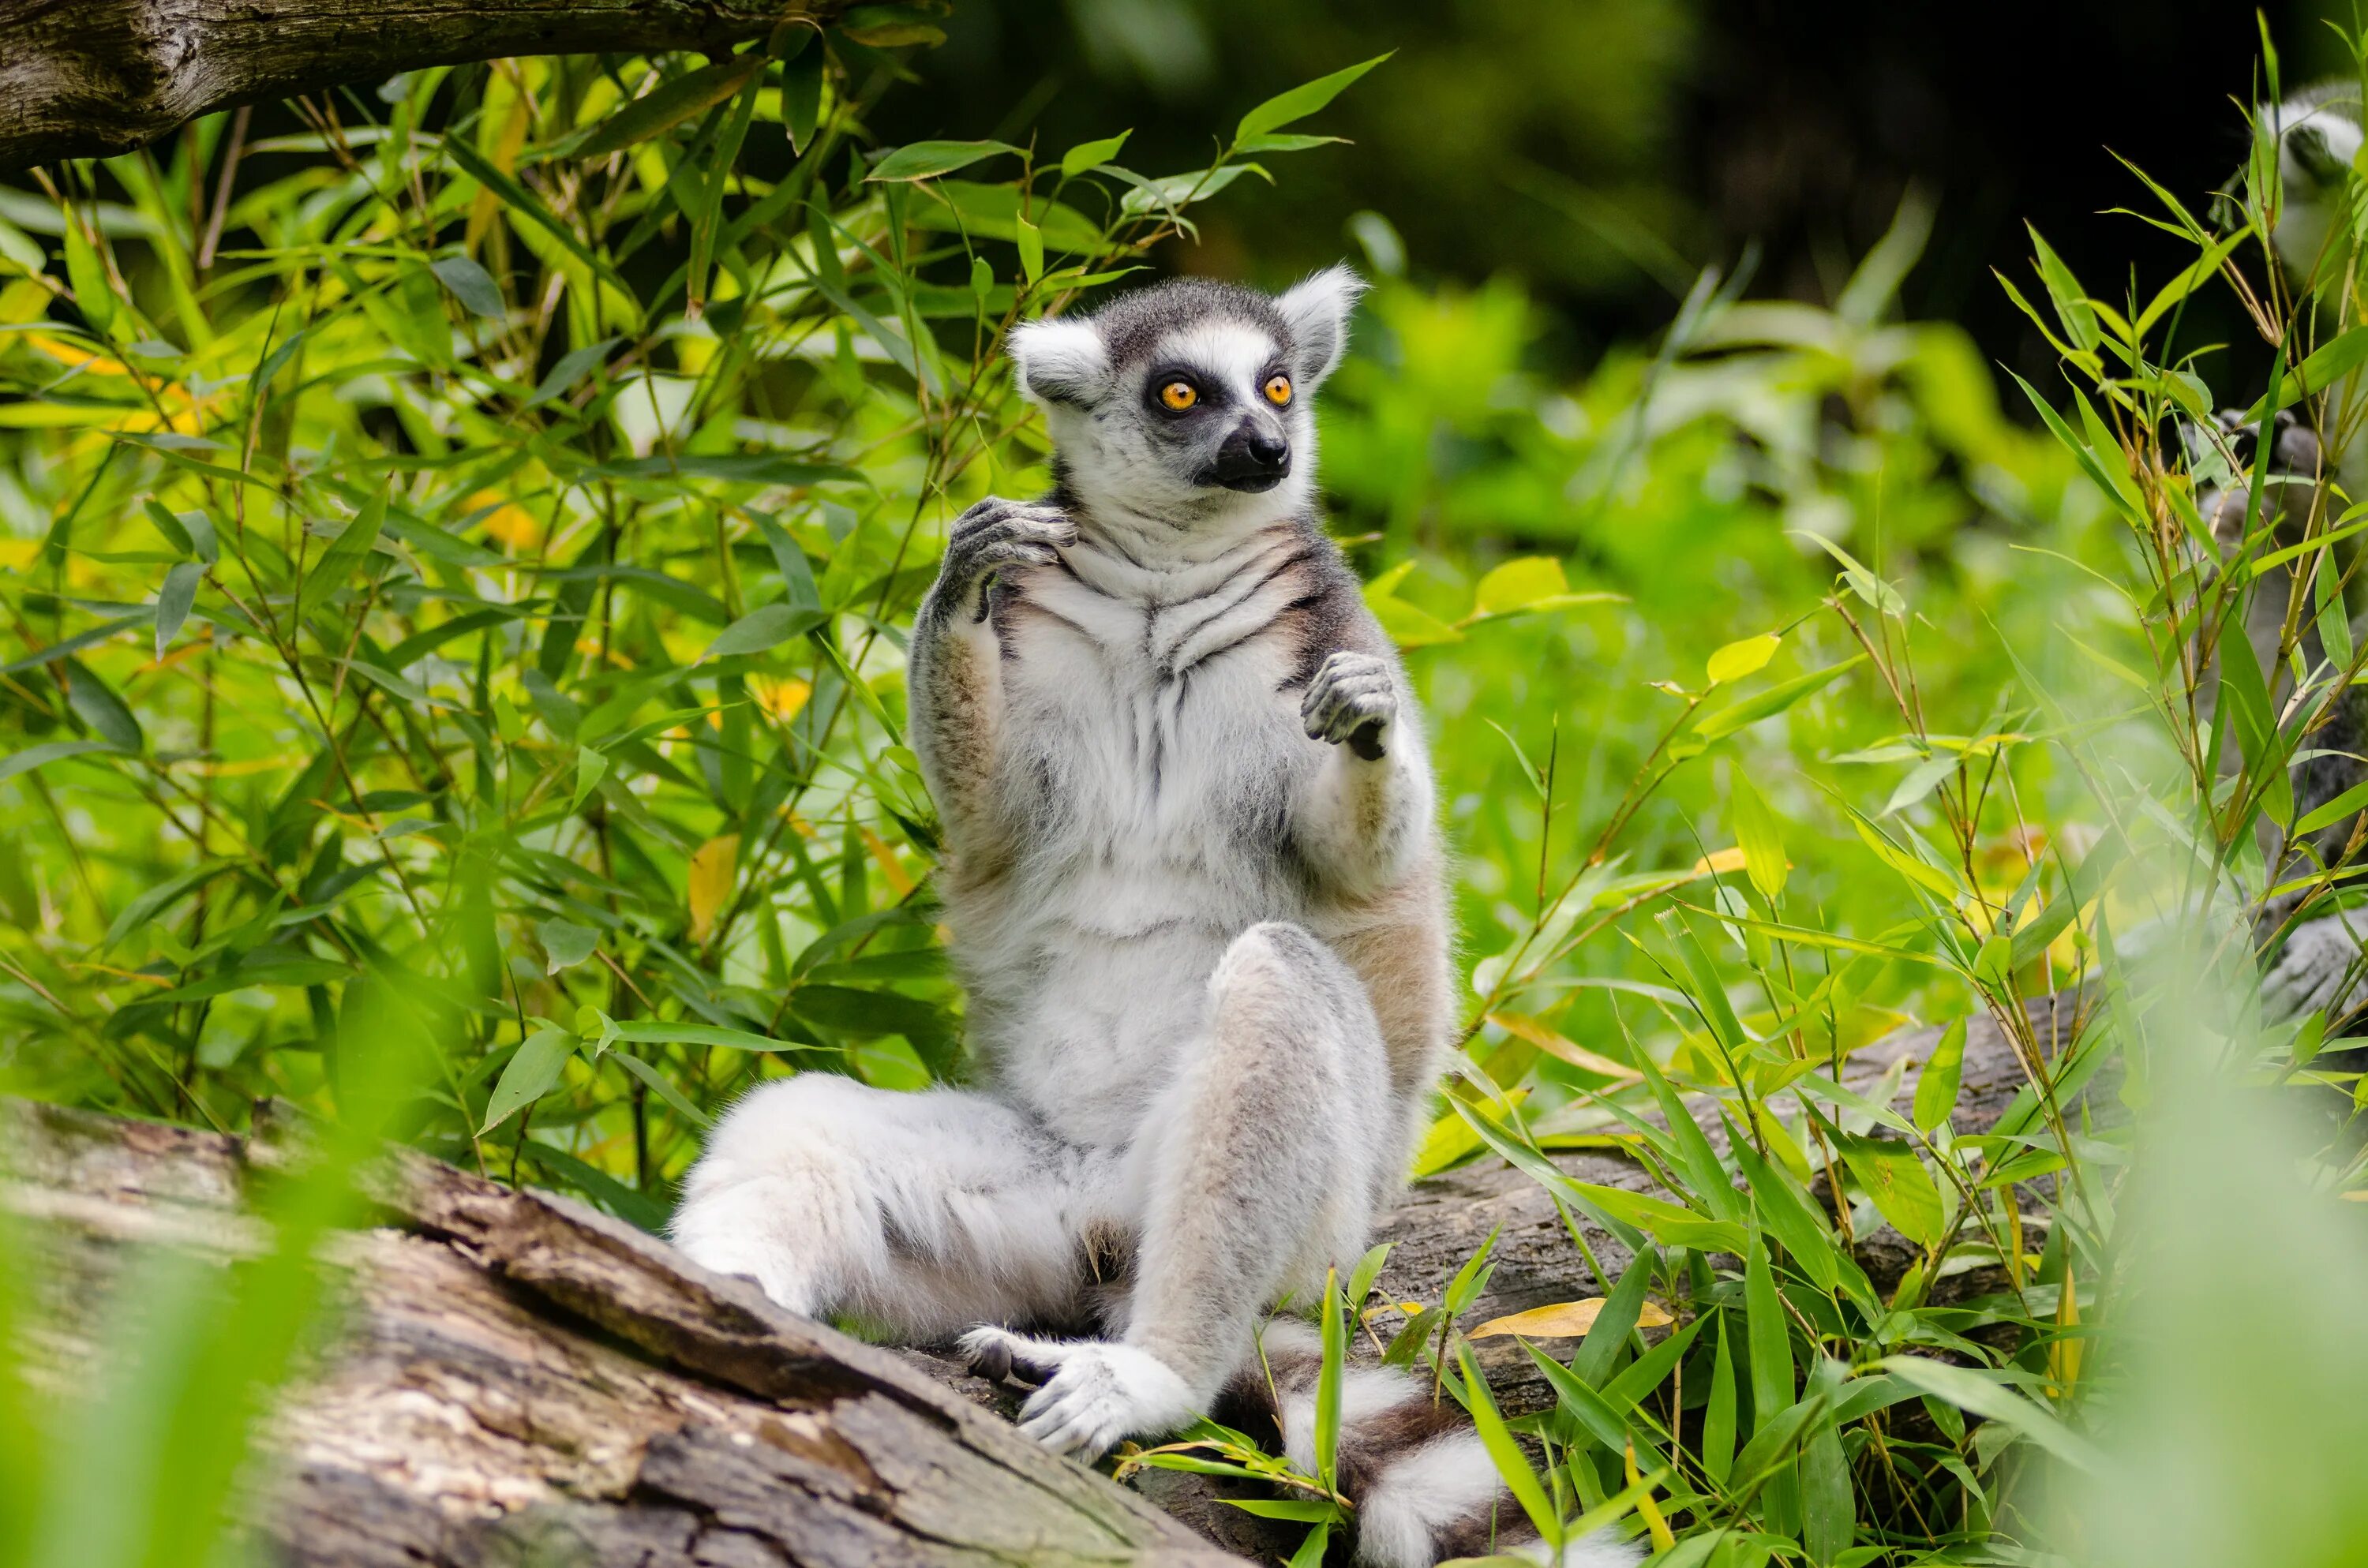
91 78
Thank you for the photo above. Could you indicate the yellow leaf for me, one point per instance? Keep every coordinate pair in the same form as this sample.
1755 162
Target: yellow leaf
783 698
1739 659
1522 1026
508 522
711 866
1517 585
1731 858
1564 1320
889 865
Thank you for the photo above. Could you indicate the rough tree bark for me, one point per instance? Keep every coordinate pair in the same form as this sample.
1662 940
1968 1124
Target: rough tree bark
515 1374
90 78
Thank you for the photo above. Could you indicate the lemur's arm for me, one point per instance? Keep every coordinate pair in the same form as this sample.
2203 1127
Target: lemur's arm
954 678
1363 814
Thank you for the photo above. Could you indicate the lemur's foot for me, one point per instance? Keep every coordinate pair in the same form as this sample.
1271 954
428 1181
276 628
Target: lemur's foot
1092 1394
998 535
1353 699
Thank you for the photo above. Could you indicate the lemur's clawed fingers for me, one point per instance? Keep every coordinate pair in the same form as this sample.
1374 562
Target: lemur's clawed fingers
1353 699
999 1356
995 519
1093 1394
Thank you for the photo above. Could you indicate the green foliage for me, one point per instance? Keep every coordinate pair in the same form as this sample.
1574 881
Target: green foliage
468 604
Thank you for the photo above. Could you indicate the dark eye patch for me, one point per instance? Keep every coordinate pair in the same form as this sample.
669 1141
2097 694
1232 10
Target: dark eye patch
1205 393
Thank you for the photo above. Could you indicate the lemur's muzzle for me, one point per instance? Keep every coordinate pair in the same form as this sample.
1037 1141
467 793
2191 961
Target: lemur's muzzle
1251 458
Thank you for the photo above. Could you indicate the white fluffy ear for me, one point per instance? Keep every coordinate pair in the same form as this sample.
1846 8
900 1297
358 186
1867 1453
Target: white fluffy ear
1317 313
1060 361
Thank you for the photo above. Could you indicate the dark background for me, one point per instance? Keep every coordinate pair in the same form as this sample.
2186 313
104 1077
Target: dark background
1601 151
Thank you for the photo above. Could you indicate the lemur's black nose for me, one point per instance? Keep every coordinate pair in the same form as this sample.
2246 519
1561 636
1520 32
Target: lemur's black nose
1250 459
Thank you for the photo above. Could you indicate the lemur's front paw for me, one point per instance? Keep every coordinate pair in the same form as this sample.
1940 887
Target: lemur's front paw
1353 699
1092 1394
998 535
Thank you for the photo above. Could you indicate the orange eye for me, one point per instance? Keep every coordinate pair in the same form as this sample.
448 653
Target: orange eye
1278 389
1179 395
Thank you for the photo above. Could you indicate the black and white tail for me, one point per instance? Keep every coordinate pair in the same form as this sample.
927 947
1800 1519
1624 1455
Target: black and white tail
1423 1484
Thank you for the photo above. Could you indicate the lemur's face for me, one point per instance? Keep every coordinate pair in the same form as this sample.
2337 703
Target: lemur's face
1219 403
1180 403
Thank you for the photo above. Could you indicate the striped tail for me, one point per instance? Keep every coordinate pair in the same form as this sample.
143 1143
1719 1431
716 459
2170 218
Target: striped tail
1424 1487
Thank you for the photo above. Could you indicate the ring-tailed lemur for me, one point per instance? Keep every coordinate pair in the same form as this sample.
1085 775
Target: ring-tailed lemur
1194 887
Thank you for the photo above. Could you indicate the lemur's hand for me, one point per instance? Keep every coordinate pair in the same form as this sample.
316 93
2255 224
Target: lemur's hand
996 536
1089 1396
1353 699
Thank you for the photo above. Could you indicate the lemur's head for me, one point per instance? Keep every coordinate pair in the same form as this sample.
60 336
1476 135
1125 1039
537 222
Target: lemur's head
2318 133
1189 405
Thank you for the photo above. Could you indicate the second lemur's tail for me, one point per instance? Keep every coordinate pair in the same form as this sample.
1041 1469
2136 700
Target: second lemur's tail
1423 1484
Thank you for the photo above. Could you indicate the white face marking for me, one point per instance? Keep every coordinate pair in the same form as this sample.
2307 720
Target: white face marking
1230 355
1139 483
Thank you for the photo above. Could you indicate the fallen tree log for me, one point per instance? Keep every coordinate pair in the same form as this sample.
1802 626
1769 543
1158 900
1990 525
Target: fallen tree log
517 1374
90 78
518 1378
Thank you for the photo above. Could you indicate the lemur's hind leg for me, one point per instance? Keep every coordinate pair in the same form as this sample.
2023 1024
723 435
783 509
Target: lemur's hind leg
1260 1166
918 1211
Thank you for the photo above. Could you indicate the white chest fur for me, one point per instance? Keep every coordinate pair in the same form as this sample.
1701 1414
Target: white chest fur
1150 754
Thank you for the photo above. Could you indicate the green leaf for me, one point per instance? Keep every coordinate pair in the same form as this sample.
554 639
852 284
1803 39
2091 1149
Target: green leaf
2344 806
764 629
801 80
345 554
1718 1416
1300 101
693 93
1769 703
1588 1408
1512 1464
797 572
1898 1185
2071 301
1407 626
1985 1396
590 766
1747 657
1829 1501
96 704
87 273
662 1086
1592 1362
927 160
32 757
645 1032
1525 583
1031 240
2318 371
2246 699
565 943
1788 1214
1756 830
754 468
1328 1381
1087 155
533 1072
1769 1339
1936 1087
1919 782
571 368
173 601
472 285
604 1188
